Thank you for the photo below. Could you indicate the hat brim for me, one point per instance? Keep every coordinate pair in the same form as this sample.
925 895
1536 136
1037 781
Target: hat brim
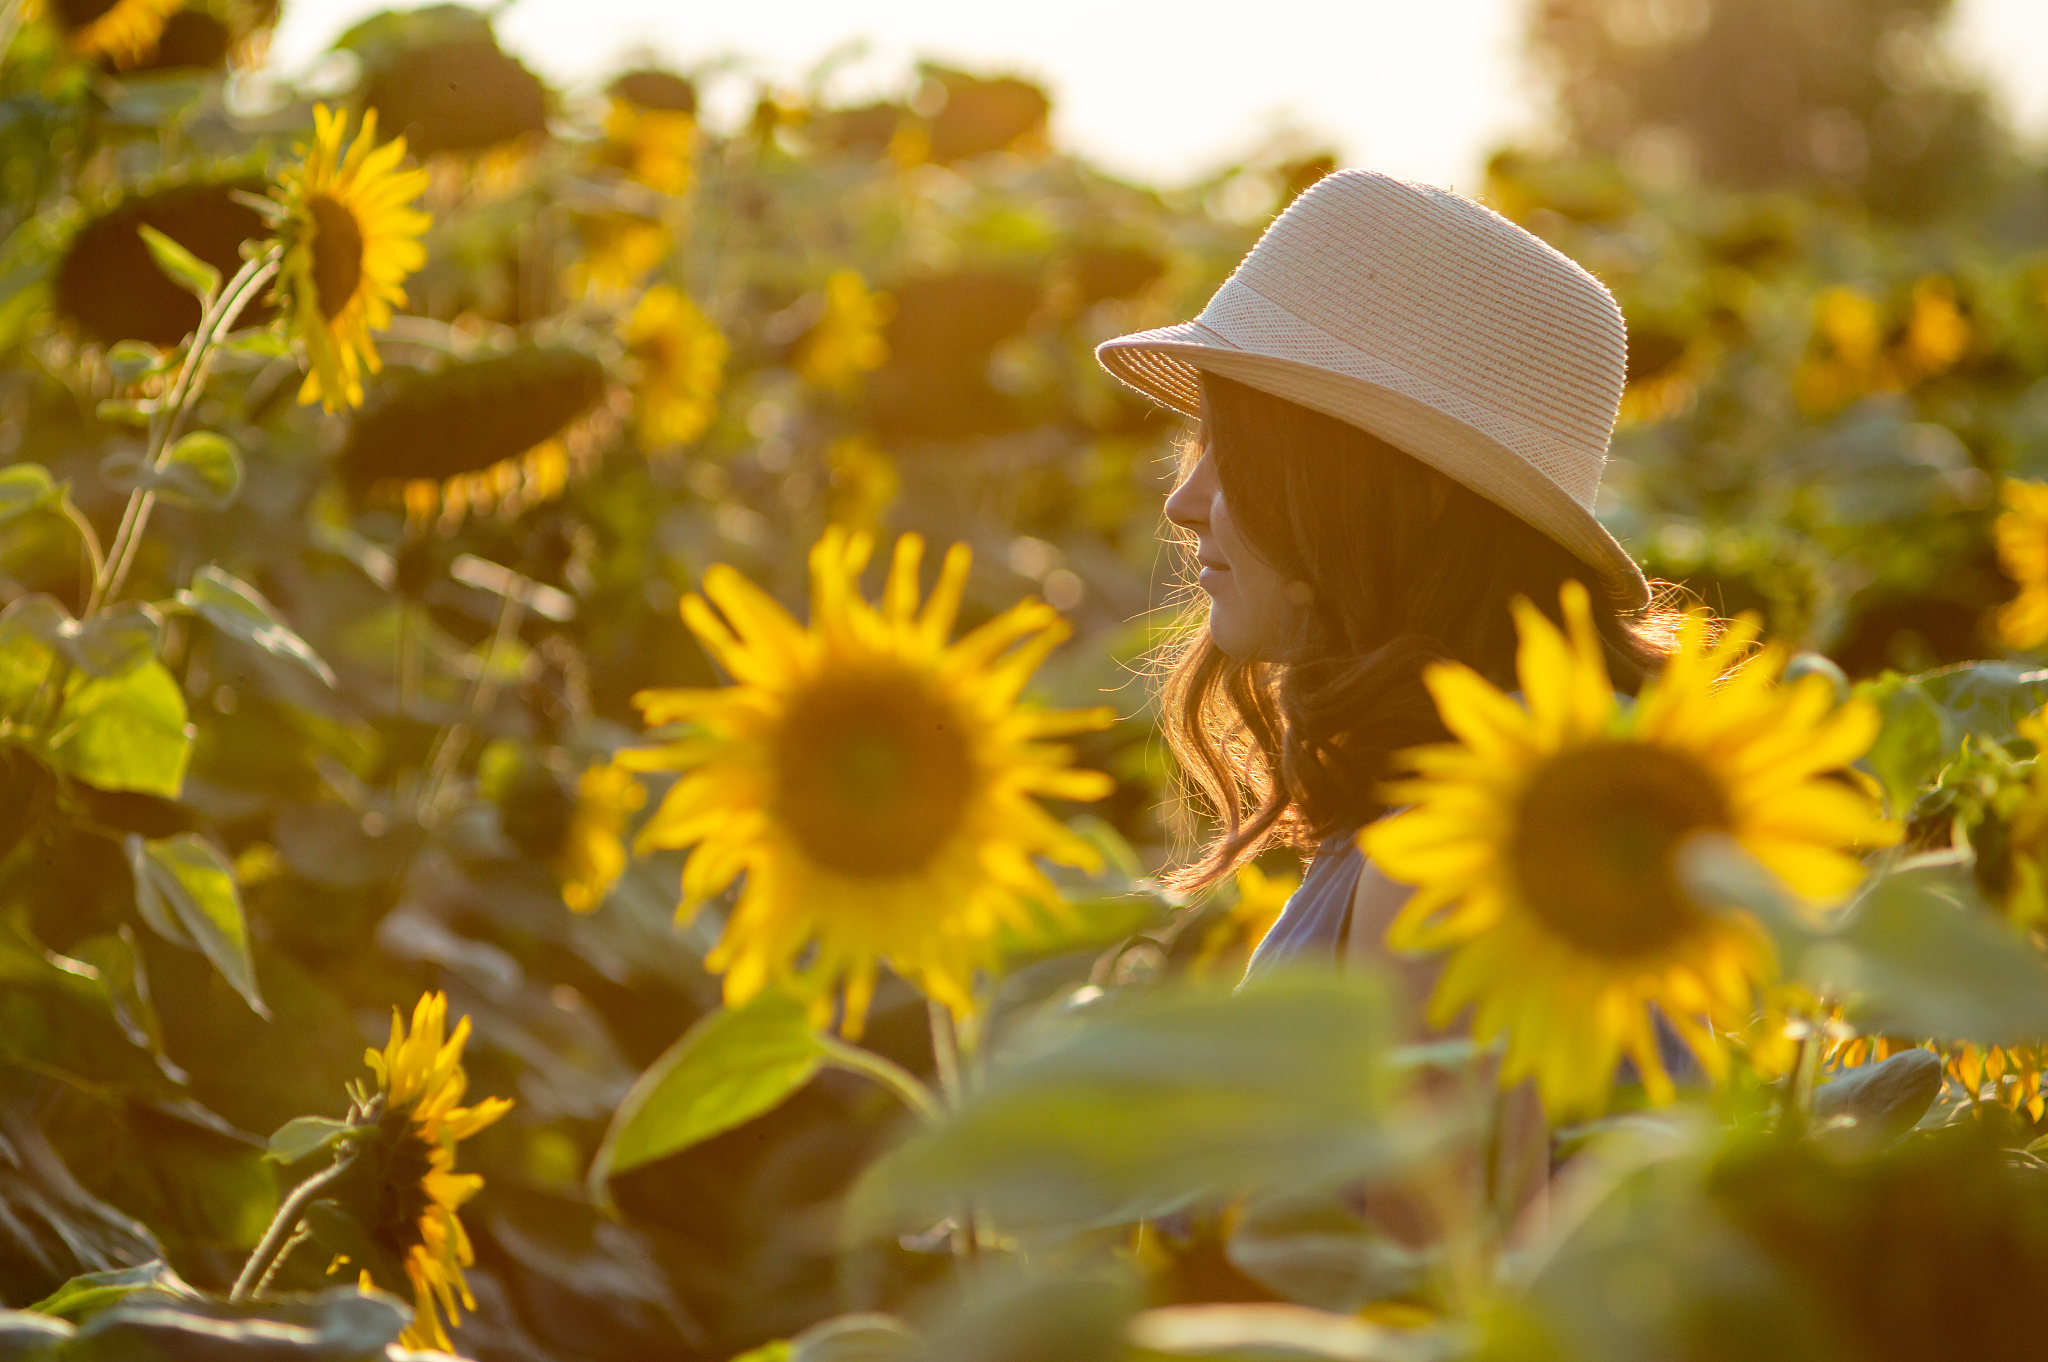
1166 364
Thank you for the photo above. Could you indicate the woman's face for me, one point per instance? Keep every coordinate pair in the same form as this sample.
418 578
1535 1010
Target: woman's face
1251 605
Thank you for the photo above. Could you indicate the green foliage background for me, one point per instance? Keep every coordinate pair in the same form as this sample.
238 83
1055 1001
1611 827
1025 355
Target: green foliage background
235 837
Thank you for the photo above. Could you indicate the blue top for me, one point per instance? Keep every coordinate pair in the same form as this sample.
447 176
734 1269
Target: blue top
1314 927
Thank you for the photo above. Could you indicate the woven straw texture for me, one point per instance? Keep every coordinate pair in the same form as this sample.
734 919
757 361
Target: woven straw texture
1437 325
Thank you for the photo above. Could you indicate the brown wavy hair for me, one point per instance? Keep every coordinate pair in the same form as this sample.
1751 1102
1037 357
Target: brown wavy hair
1404 567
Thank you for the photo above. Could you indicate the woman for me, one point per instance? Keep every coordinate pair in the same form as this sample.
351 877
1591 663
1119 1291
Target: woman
1405 404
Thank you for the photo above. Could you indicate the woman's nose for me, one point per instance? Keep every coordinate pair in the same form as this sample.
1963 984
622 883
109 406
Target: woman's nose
1188 506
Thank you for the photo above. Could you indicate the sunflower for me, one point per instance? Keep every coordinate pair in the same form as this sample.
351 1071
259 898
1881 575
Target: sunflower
875 784
123 33
420 1078
593 853
505 432
681 358
619 250
2022 535
847 340
1543 844
107 287
349 240
865 482
650 129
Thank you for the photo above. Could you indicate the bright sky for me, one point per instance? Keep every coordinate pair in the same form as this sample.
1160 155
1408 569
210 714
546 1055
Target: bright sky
1419 88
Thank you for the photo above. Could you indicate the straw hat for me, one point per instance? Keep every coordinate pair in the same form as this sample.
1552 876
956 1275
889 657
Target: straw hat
1433 323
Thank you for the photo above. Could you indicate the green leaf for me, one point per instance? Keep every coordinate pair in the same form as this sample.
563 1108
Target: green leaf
121 977
337 1324
258 343
186 891
185 269
125 732
234 607
24 487
132 361
728 1068
1268 1329
109 645
303 1135
202 469
127 411
1919 954
1134 1105
85 1296
1926 718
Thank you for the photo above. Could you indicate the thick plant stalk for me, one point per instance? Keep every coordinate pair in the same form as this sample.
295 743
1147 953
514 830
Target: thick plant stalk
285 1224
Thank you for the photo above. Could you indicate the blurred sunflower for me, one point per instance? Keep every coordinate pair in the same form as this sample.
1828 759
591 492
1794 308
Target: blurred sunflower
619 250
847 340
865 482
504 432
680 356
593 853
1238 932
1543 844
123 32
421 1081
650 129
2021 532
350 239
876 785
106 287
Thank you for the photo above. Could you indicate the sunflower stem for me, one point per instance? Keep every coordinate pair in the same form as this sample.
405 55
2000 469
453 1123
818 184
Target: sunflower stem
1797 1109
218 318
448 751
945 1052
299 1236
285 1224
887 1072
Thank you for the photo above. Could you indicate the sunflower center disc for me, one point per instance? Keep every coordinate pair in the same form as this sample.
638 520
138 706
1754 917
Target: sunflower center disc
337 254
1595 844
872 774
76 14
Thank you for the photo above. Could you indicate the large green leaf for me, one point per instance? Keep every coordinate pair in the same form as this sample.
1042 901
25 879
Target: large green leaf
125 733
338 1325
1134 1105
1919 954
86 1295
728 1068
234 607
186 891
1926 718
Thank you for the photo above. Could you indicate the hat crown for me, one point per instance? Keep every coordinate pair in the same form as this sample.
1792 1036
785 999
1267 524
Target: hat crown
1435 324
1459 299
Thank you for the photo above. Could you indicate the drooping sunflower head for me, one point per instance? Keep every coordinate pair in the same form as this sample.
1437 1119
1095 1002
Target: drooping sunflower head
1545 845
107 288
2021 532
680 356
876 784
411 1162
350 238
123 33
446 84
505 431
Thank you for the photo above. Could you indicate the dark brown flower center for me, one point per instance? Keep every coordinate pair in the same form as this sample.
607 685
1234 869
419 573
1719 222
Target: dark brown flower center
872 773
1595 843
77 14
337 254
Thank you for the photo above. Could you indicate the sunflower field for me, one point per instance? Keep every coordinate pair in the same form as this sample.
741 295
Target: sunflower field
578 774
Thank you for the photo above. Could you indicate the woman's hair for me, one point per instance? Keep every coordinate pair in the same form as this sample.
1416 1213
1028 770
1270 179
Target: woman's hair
1405 567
